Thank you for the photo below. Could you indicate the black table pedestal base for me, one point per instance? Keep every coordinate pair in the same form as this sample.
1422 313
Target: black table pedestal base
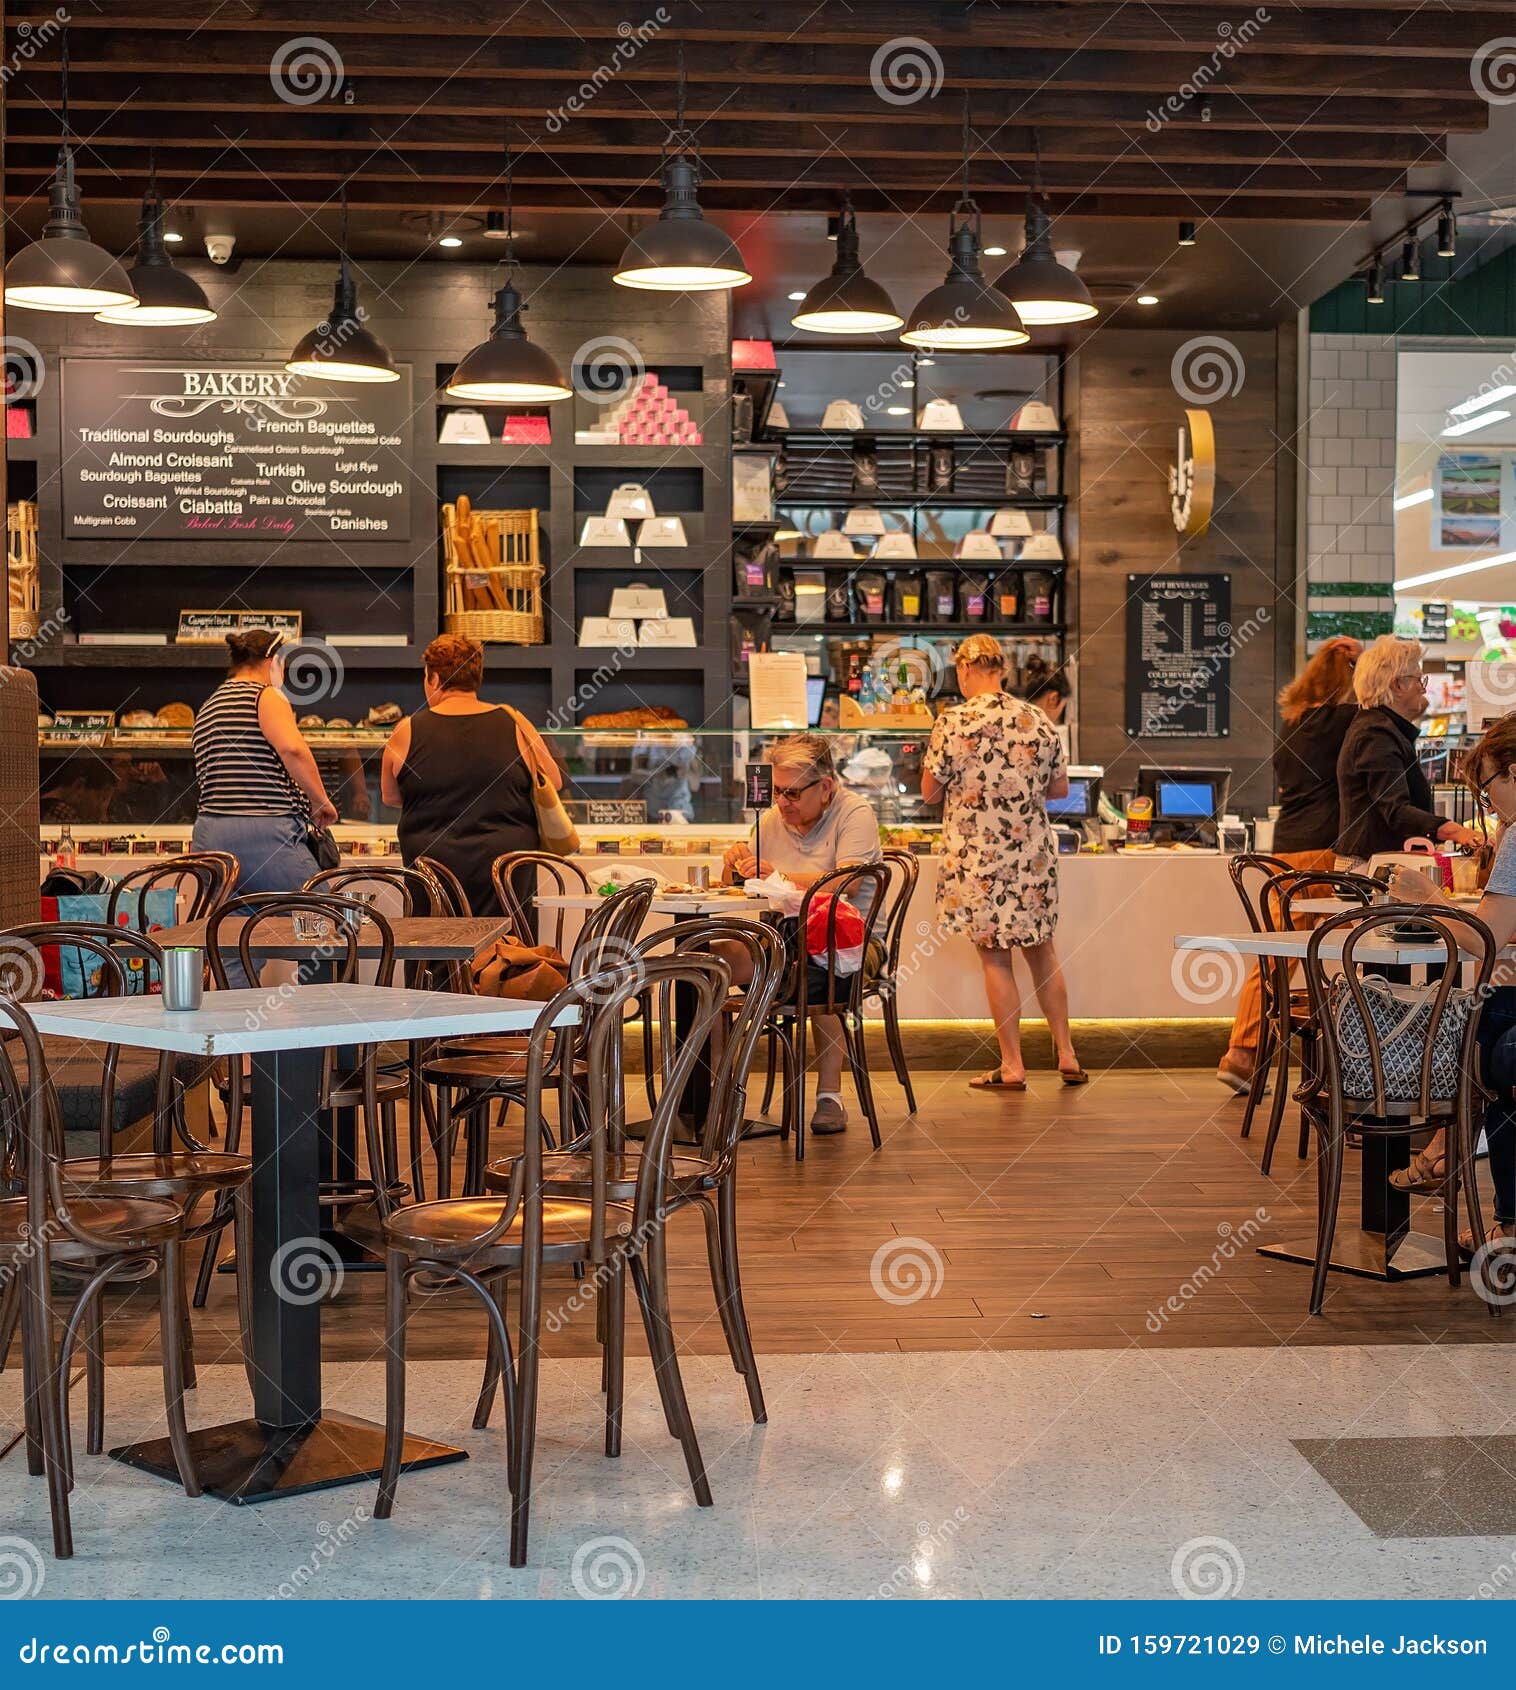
1368 1255
246 1461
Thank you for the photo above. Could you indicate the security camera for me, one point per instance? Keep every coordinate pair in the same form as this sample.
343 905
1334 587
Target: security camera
218 248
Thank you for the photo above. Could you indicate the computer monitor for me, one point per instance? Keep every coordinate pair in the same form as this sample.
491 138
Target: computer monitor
1188 798
1082 801
815 699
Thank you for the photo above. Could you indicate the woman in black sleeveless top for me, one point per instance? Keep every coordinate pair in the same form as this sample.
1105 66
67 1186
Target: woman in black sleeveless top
461 773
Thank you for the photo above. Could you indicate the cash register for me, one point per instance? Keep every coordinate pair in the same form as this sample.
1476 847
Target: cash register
1075 818
1188 803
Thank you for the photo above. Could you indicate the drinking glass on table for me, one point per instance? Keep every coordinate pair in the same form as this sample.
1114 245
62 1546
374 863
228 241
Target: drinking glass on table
311 928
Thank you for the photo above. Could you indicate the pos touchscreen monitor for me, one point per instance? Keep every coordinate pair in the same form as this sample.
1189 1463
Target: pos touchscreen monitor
1188 798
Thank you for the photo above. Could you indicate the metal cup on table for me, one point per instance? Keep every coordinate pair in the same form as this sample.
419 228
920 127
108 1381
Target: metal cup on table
183 979
700 877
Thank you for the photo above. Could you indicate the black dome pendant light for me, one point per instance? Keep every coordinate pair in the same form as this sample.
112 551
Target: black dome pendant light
1044 291
846 301
507 369
65 270
681 252
340 348
965 314
166 297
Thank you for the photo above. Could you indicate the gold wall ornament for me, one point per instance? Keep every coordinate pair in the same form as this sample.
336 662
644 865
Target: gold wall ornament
1192 480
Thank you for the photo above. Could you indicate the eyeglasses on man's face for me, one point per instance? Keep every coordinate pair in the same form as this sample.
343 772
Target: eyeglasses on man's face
790 793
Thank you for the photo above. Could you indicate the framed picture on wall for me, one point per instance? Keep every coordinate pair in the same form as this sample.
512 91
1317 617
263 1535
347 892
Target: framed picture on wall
1469 492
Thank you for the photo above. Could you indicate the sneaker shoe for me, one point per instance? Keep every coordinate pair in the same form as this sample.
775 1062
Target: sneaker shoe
830 1116
1235 1071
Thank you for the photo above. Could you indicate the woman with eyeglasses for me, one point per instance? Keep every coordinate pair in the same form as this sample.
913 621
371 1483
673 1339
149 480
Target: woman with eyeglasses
995 761
1317 708
1383 795
813 827
1490 769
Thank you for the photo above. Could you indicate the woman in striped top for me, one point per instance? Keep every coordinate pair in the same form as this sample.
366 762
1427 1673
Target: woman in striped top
260 789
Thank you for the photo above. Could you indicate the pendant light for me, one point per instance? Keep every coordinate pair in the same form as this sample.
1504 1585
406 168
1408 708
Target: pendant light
165 296
846 301
65 270
681 252
965 314
340 348
507 369
1044 291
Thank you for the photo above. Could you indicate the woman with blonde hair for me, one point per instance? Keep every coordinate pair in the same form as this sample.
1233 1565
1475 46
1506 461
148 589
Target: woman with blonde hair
1383 794
995 761
1317 708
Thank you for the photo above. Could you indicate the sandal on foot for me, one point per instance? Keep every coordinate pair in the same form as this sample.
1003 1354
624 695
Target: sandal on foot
1425 1174
994 1080
1073 1076
1499 1237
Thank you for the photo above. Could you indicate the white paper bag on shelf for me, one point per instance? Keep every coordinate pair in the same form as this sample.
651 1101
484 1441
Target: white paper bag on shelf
464 428
607 630
631 502
604 531
639 600
662 531
776 690
671 631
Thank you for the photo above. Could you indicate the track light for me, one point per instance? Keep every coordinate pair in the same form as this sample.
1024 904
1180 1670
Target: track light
1374 277
1186 232
1410 259
1447 232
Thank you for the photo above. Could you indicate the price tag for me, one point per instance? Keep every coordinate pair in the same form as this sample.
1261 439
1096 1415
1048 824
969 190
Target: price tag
81 727
758 786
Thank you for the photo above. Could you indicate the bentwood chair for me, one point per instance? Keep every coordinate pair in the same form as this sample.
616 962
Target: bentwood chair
98 1236
476 1243
199 880
1419 1082
208 1186
841 994
1287 1007
705 1177
517 876
883 988
486 1074
451 887
1251 871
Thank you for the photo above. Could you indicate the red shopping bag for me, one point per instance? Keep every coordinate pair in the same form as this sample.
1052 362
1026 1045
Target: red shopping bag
848 935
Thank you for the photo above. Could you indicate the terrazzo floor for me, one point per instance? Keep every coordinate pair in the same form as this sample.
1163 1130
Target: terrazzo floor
1130 1473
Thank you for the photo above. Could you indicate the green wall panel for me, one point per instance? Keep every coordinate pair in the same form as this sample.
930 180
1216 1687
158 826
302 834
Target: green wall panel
1482 303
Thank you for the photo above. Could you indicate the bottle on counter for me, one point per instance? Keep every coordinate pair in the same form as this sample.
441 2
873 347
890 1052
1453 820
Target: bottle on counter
67 855
854 678
1139 820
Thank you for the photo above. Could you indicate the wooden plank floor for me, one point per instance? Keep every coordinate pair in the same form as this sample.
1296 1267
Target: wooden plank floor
1061 1218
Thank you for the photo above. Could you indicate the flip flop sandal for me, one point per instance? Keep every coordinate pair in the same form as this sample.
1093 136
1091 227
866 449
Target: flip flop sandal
1421 1176
1073 1076
994 1080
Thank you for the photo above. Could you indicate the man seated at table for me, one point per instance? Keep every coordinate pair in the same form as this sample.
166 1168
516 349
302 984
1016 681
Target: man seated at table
812 828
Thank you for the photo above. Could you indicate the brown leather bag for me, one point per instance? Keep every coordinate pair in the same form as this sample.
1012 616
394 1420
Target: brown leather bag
513 970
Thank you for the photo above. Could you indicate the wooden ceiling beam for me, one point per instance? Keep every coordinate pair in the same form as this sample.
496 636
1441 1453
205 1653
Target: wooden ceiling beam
863 139
1443 31
418 99
507 58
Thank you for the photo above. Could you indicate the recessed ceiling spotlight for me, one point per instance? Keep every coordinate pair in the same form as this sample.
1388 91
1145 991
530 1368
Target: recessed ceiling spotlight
1186 232
798 293
172 236
450 240
1147 298
907 382
994 252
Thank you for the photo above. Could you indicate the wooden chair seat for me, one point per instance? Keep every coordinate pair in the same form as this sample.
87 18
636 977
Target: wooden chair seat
450 1226
568 1173
126 1223
482 1070
346 1090
179 1174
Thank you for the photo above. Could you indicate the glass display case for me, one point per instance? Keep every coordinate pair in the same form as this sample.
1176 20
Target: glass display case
138 779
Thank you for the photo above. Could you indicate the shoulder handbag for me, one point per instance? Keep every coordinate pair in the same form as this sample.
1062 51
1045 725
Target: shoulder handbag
1402 1018
556 832
324 848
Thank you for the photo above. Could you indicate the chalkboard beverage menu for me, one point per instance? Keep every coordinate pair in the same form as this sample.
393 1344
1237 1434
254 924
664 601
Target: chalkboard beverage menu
231 452
1179 651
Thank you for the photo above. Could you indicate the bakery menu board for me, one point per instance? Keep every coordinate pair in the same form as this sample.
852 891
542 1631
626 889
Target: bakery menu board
1179 651
231 452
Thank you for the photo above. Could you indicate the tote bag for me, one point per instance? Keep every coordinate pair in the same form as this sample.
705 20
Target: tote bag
556 832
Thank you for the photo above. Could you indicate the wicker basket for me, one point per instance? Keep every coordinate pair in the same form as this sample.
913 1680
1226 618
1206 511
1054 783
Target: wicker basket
21 568
512 579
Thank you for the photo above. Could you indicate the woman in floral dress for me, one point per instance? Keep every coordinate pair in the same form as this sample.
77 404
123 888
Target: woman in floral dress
995 760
